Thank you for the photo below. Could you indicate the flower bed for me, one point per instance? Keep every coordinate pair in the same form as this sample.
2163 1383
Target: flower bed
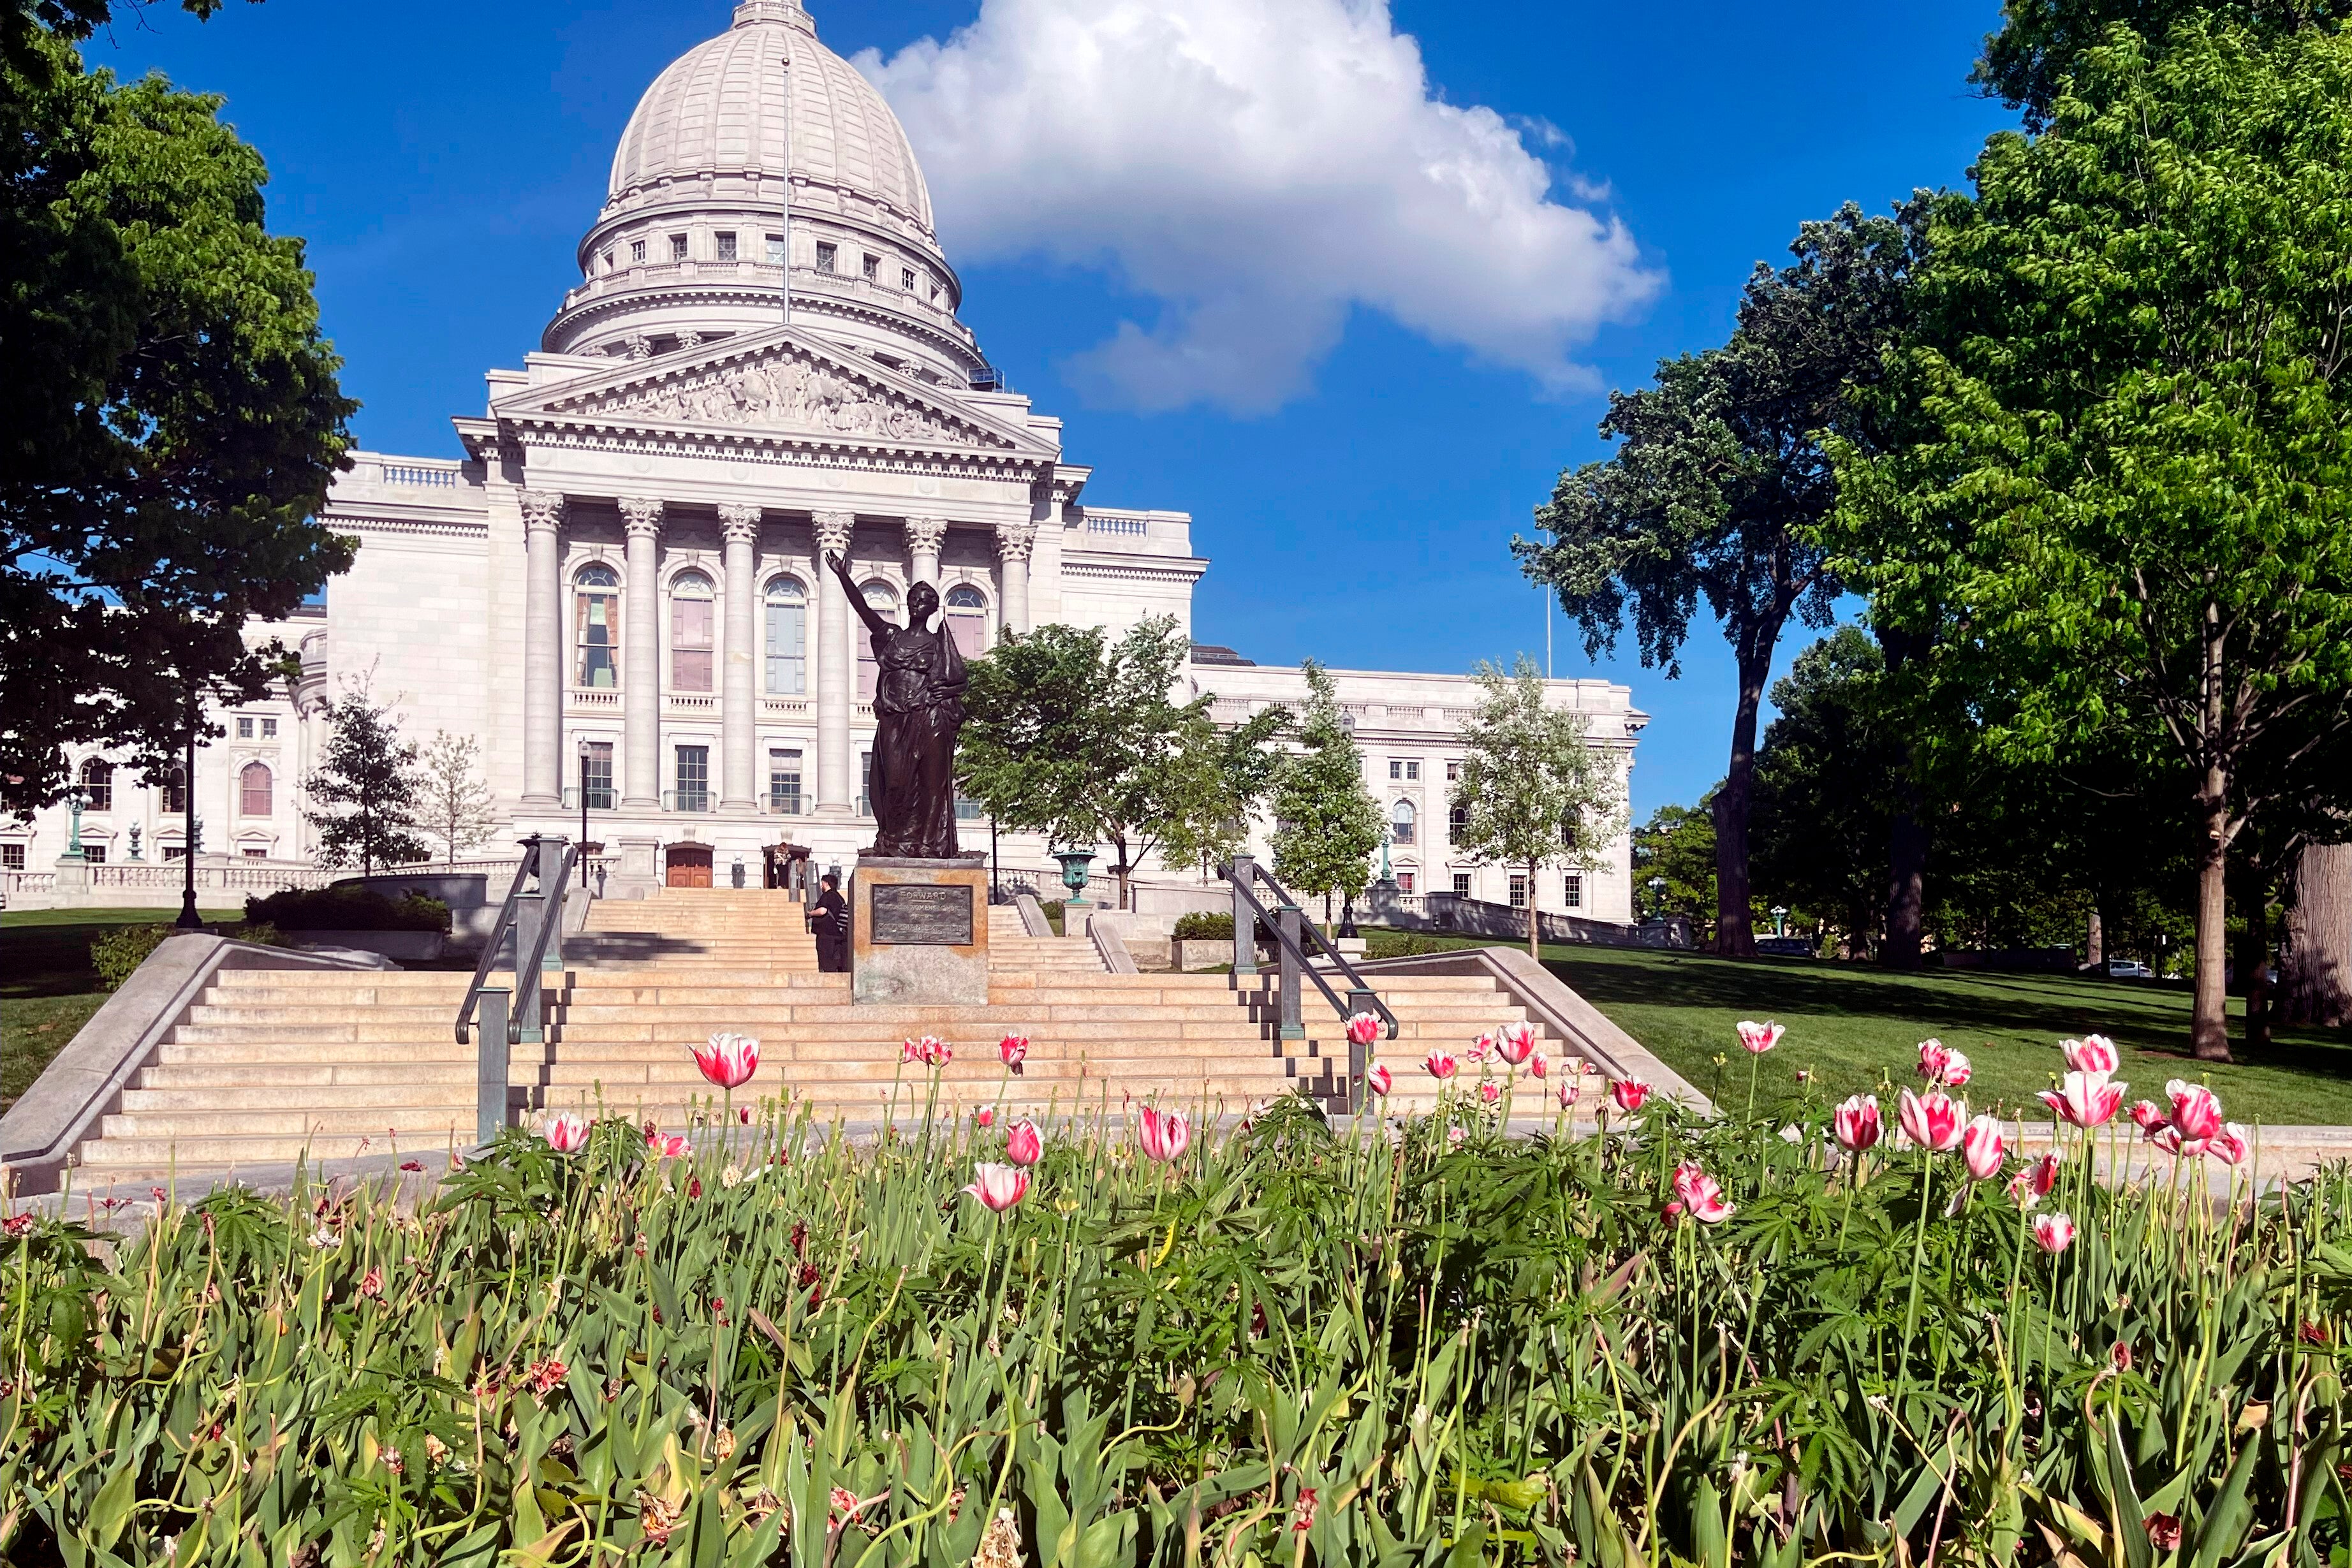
1775 1338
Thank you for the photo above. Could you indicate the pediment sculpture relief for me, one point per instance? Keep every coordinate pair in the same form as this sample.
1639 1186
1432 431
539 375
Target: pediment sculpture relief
788 394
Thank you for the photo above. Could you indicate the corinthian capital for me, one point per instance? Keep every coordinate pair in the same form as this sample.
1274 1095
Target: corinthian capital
925 535
641 515
1015 540
739 525
832 531
542 511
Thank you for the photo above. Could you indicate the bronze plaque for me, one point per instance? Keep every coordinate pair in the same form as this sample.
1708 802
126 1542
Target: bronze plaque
912 914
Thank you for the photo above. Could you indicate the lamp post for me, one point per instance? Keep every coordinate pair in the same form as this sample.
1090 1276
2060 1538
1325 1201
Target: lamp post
1779 920
77 802
583 816
189 919
1657 898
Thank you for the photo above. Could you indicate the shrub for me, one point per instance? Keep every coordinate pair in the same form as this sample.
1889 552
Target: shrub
1382 943
119 952
1054 916
347 909
1201 925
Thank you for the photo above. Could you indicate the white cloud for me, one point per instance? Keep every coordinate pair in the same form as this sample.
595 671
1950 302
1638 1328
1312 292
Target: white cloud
1260 167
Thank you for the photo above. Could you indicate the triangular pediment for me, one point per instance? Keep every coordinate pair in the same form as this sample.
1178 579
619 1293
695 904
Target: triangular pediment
780 380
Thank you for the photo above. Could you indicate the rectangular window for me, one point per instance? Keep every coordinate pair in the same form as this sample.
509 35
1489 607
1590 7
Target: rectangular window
638 251
907 278
726 248
784 782
864 783
253 854
598 636
1461 885
12 857
1518 890
1454 773
244 729
694 778
829 256
596 775
677 247
176 851
269 730
94 854
1457 821
1572 891
873 268
1412 772
689 644
1396 768
787 667
775 250
1405 882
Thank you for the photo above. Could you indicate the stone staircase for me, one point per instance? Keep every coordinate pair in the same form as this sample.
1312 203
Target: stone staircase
272 1066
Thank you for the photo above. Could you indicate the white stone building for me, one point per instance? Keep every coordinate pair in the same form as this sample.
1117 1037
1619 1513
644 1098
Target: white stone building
617 587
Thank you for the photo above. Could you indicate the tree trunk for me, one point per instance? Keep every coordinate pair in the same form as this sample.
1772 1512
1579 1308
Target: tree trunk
1907 857
2208 1018
2094 942
2255 961
1535 920
2315 967
1735 936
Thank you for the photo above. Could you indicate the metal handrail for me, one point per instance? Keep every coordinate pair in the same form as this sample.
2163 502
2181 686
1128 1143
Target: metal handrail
528 981
1356 981
499 932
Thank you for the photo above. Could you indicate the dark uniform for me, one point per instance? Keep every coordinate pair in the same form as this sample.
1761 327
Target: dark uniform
830 920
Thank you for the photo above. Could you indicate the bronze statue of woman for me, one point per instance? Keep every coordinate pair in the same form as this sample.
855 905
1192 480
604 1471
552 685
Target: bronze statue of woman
918 708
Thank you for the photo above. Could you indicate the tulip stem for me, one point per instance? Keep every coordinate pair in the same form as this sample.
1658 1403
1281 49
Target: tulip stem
1918 1254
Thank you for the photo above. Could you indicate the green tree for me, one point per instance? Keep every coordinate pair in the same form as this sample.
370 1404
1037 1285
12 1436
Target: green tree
2136 473
1719 476
454 804
365 793
2040 42
1326 826
1071 734
1534 791
1676 848
1234 773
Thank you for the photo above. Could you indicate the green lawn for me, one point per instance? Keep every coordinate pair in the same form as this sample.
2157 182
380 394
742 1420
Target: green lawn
1856 1029
48 988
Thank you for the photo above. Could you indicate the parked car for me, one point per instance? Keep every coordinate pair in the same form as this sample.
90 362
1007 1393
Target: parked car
2128 969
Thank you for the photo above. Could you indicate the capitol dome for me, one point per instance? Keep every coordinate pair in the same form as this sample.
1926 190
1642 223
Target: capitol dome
690 241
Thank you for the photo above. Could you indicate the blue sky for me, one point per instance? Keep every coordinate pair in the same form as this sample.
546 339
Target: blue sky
1357 497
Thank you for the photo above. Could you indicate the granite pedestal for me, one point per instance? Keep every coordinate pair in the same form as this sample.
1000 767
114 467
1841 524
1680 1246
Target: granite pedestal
919 931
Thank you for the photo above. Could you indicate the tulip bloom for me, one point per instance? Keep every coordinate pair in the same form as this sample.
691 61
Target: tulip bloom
1480 1048
1490 1093
1570 1091
566 1133
1363 1029
2229 1145
1539 1065
1024 1144
729 1060
1856 1124
1515 1042
2085 1098
1934 1119
1379 1079
667 1146
2196 1109
2147 1116
1014 1050
2054 1233
1943 1066
1441 1065
984 1117
2091 1053
1982 1147
1166 1133
1700 1195
999 1186
1760 1038
1629 1093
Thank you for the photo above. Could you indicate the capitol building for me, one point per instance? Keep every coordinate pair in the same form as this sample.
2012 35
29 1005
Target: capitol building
614 583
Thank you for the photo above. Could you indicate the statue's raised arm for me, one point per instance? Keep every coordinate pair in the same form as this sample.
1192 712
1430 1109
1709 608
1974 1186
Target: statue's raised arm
866 612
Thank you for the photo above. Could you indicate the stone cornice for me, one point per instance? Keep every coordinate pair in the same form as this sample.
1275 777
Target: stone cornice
375 519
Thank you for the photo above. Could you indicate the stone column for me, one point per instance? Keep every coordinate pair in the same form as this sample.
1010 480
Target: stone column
641 657
924 537
837 668
1014 543
542 649
737 699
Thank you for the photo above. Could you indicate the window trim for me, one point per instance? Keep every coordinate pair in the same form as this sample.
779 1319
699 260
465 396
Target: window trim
245 789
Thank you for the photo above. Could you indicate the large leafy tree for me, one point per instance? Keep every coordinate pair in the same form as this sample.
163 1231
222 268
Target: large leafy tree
1534 791
1070 733
170 418
1719 474
1326 826
2132 499
2040 42
368 790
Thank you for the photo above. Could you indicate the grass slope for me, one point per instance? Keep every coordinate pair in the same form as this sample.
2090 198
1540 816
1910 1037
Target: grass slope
48 988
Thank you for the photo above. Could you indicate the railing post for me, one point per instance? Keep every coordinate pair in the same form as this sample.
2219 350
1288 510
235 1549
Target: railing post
1360 1000
551 882
1293 1026
1245 923
491 1064
530 908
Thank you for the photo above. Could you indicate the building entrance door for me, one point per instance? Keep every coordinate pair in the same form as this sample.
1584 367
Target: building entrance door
688 866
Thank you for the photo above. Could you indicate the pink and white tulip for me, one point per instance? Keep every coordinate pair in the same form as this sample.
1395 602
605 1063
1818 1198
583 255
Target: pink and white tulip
1379 1078
1024 1144
1515 1043
1363 1029
2085 1098
1570 1091
1166 1133
2196 1109
2229 1145
1699 1195
2147 1116
729 1060
1539 1065
2031 1185
1856 1124
1441 1065
999 1186
566 1132
1013 1051
1933 1120
1760 1038
2091 1053
1481 1048
984 1117
1629 1093
667 1146
1982 1147
2054 1233
1489 1092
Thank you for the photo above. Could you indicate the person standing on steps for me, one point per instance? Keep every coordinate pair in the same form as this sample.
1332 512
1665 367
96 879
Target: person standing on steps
830 920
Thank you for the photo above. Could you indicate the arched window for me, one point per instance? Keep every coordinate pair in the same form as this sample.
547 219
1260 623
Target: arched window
597 627
967 610
175 791
253 795
885 599
689 633
98 784
1400 823
1458 819
787 638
